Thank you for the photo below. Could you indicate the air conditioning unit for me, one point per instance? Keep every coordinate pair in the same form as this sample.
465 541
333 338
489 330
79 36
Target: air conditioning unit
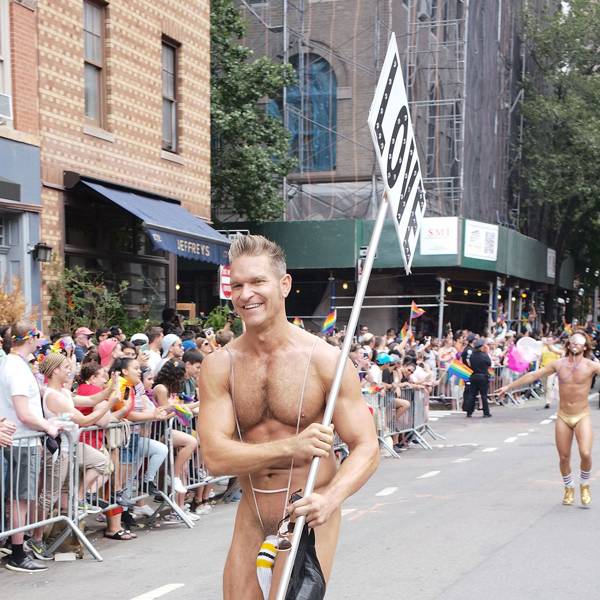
5 108
424 10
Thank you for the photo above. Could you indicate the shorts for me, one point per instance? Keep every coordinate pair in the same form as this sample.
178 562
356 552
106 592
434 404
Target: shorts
90 458
23 466
131 453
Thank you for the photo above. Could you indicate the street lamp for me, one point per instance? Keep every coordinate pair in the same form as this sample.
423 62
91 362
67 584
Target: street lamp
41 252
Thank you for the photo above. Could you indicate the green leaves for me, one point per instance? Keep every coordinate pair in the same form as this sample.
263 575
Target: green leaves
249 148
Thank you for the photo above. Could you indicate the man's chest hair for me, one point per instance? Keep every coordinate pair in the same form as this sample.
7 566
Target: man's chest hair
272 391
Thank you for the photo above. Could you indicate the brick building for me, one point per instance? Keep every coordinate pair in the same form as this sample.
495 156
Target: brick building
20 203
124 100
105 144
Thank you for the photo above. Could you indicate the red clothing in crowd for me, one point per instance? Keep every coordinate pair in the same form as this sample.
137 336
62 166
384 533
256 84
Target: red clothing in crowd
92 438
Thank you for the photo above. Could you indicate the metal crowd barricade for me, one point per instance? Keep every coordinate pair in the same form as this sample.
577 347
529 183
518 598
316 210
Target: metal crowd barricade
133 450
448 389
196 474
38 487
412 423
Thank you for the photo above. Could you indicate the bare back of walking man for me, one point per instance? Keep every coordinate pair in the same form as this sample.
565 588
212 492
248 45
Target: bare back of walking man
575 373
262 401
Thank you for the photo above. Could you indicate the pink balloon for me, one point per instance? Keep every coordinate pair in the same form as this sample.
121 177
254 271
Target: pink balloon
516 362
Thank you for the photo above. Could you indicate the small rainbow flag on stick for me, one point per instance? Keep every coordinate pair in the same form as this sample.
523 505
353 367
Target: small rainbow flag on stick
405 332
183 414
298 322
459 370
415 311
329 323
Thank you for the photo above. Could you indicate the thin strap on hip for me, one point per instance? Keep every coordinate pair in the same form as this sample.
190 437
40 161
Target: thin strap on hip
239 430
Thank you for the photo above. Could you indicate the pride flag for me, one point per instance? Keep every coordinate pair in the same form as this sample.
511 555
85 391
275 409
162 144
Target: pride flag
404 332
415 311
460 370
329 323
183 414
298 322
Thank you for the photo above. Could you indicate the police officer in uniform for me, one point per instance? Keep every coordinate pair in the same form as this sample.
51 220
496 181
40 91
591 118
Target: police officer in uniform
465 358
480 362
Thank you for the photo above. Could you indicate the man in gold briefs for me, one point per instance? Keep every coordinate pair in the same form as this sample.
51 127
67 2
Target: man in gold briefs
262 401
575 373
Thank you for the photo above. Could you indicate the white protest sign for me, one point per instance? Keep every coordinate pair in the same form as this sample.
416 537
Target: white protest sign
394 139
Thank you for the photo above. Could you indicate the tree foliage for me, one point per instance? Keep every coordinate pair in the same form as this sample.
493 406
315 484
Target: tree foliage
561 145
250 150
80 299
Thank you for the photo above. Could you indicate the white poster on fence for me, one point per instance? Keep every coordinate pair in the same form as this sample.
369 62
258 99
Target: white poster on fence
481 240
551 263
394 140
439 235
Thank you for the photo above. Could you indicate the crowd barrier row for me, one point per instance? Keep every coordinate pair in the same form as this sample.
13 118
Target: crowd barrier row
98 469
449 389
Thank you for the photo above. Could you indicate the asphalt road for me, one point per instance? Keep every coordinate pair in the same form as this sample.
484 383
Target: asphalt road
479 516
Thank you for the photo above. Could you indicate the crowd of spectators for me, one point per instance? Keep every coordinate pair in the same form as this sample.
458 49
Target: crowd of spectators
97 378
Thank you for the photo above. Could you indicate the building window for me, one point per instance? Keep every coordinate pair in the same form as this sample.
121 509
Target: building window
312 106
5 87
169 96
93 31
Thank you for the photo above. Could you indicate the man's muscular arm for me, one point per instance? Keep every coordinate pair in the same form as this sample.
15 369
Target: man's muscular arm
223 453
354 424
528 378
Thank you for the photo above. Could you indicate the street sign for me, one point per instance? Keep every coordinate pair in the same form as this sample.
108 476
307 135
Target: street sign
394 140
224 283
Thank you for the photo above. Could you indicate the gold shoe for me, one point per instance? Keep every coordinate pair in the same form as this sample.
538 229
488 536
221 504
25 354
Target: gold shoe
569 496
586 497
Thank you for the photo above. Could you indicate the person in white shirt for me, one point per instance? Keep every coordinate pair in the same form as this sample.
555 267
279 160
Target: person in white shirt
155 339
20 402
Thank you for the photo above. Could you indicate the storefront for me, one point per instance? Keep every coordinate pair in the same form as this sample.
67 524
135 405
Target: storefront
21 249
135 236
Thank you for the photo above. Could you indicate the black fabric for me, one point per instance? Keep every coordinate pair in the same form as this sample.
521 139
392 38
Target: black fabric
468 399
307 581
480 363
387 376
465 357
479 385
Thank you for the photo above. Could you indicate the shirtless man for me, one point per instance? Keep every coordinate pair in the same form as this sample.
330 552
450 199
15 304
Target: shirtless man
274 380
574 373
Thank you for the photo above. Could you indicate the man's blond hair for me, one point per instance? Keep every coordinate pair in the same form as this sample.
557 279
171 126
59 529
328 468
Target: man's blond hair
258 245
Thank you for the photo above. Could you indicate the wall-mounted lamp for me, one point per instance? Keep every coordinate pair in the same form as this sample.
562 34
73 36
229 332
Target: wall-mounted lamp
449 289
41 252
466 292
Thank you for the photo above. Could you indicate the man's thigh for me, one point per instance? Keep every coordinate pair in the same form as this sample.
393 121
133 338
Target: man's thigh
239 577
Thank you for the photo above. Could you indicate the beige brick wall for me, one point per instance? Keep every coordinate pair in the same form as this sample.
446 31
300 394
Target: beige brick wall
134 30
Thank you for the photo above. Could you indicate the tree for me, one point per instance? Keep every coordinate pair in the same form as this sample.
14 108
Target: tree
250 149
561 145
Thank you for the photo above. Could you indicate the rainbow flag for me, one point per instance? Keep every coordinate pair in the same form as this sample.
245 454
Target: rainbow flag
298 322
404 333
415 311
460 370
183 414
329 323
491 373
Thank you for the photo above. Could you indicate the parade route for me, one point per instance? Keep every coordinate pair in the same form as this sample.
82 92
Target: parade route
480 514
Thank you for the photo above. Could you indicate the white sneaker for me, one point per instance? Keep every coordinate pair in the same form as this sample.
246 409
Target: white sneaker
204 509
178 486
191 516
144 511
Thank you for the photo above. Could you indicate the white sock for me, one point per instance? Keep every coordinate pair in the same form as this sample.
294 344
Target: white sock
568 480
584 476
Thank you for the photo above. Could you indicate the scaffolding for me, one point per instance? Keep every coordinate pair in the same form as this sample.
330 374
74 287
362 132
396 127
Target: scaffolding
436 89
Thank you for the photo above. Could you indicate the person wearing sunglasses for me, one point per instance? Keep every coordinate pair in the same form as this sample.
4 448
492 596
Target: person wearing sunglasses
575 373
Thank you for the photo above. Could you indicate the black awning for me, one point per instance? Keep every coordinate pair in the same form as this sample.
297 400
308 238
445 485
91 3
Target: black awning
169 226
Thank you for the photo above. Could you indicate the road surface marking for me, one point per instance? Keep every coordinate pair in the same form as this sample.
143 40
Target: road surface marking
429 474
553 417
469 444
489 449
461 460
433 419
510 440
158 592
545 421
522 434
531 430
347 511
387 491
